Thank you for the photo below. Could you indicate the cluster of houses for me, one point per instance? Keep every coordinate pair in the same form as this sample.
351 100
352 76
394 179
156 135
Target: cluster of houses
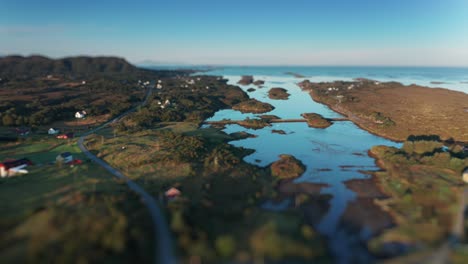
68 135
80 114
53 131
143 83
333 89
159 85
10 168
165 104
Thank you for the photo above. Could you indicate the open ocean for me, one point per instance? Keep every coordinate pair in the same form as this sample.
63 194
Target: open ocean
453 78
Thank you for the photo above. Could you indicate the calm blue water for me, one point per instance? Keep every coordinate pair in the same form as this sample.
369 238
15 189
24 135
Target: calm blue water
452 78
342 147
318 149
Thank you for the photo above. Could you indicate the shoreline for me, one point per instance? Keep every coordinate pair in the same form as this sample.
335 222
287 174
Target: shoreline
365 124
377 210
351 119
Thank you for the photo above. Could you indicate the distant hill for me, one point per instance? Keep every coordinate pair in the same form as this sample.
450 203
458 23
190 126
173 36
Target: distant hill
38 66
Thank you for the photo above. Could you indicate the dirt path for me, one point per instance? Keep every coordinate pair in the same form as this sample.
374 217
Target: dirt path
163 252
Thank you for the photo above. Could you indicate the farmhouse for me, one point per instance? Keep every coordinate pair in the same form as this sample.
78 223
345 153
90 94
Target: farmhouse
53 131
64 157
10 168
80 114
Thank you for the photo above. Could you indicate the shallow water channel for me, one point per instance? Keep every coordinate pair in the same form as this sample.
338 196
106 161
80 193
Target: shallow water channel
332 156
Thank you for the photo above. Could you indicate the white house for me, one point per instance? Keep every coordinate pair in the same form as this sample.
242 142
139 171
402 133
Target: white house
159 86
53 131
65 157
80 114
11 168
465 175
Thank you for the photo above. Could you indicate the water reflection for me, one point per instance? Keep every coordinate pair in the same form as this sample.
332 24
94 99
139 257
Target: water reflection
332 157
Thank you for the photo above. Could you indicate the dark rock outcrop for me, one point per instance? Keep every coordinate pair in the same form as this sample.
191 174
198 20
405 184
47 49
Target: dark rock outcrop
246 80
278 93
287 167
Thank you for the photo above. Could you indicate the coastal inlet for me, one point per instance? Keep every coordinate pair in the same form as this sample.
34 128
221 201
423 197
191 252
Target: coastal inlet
332 155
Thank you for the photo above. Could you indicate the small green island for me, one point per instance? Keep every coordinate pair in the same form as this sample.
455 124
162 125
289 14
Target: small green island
253 106
316 120
278 93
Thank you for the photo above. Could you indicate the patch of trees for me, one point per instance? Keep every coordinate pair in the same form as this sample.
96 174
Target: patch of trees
39 66
426 150
18 67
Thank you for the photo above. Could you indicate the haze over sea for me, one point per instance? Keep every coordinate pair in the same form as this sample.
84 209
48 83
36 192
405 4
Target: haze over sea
453 78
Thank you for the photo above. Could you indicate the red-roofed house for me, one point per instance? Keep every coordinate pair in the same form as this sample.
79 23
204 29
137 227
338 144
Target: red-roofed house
172 193
8 168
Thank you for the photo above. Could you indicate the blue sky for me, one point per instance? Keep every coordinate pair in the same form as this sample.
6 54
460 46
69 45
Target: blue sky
293 32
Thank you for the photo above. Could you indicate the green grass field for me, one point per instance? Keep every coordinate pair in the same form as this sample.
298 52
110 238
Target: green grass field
218 218
61 213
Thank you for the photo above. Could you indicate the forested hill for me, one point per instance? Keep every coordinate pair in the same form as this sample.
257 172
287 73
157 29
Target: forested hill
39 66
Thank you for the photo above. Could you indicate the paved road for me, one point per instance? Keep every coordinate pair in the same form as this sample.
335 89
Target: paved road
163 242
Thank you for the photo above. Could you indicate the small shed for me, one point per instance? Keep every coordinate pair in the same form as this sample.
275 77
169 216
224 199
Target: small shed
66 136
64 157
172 193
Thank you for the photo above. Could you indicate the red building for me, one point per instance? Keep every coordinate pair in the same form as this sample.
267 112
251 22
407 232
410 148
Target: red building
6 166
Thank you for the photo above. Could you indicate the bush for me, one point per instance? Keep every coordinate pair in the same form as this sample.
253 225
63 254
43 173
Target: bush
225 246
421 146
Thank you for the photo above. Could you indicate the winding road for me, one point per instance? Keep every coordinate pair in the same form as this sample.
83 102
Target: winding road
163 243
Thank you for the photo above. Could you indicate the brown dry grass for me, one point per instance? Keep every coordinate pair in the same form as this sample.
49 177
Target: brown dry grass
415 110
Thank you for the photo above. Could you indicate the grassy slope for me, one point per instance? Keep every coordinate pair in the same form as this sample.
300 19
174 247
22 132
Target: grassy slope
396 111
64 214
424 186
218 216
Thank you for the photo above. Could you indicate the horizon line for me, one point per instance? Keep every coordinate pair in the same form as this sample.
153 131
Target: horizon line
295 65
149 63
